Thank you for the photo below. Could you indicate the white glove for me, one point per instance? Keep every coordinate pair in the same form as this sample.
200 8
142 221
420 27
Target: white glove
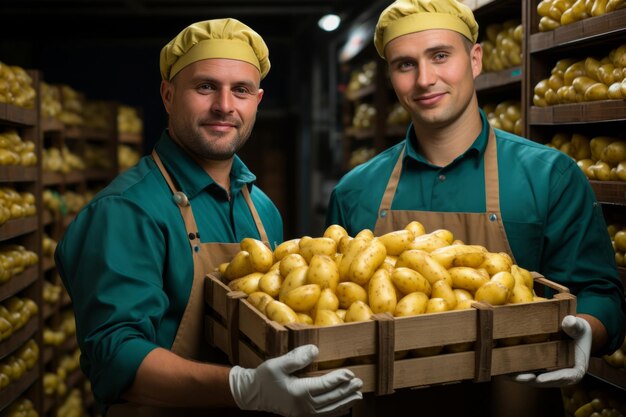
579 330
272 387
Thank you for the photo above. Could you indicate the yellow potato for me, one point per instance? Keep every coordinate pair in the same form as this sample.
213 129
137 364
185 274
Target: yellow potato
304 318
493 292
344 242
291 262
436 305
326 301
259 300
614 152
408 280
261 256
222 268
416 227
423 263
341 313
459 255
496 262
349 292
467 278
428 242
397 241
505 278
521 294
354 246
280 313
270 283
462 294
303 298
441 289
444 234
239 266
295 279
411 305
323 271
464 304
286 248
387 267
381 293
317 246
327 318
247 284
522 276
335 232
358 311
367 261
366 234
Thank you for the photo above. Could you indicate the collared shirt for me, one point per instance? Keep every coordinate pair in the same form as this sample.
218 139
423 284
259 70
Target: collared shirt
552 219
127 263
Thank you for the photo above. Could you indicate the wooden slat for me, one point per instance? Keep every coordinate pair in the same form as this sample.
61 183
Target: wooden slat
17 173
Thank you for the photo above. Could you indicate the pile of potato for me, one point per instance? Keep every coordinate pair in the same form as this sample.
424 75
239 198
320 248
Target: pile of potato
15 151
50 100
128 121
555 13
617 359
98 115
127 156
17 364
14 259
506 115
23 407
362 77
336 278
16 86
398 116
360 155
71 112
618 239
590 79
16 204
364 116
61 160
601 158
15 312
589 400
503 47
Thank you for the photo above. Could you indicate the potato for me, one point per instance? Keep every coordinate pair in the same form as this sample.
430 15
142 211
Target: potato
411 305
261 256
323 271
355 246
464 304
496 262
597 91
460 255
335 232
317 246
291 262
408 280
304 318
505 278
600 171
366 234
341 313
259 300
239 266
462 294
280 312
598 144
326 301
522 276
416 228
441 289
423 263
436 305
342 245
222 267
286 248
520 294
327 318
397 241
247 284
303 298
295 279
270 283
349 292
358 311
493 292
428 242
467 278
381 293
367 261
614 152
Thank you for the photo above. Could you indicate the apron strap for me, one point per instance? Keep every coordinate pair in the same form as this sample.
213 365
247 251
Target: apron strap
392 185
255 214
492 185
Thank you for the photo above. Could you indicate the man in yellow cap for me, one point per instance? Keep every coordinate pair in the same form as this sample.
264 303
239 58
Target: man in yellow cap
134 260
487 186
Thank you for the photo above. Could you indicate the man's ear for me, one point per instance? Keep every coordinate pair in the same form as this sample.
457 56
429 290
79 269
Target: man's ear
476 58
166 94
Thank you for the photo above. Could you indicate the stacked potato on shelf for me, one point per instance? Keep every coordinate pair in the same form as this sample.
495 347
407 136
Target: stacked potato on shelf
61 160
97 115
362 77
15 151
618 238
364 116
16 86
15 312
13 367
16 204
556 13
361 155
337 278
23 407
590 79
586 400
50 100
14 259
127 156
128 121
97 157
503 47
601 158
71 106
398 116
54 383
506 115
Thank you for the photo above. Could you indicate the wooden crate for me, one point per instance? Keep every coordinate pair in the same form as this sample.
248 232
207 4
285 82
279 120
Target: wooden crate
369 349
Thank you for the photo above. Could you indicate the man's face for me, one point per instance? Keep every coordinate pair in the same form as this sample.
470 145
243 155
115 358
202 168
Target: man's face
212 106
432 73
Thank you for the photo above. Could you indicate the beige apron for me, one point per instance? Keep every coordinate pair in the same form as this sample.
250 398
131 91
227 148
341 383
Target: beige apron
188 342
500 397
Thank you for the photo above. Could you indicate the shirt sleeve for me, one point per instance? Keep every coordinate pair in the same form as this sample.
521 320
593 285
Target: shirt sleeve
578 252
111 261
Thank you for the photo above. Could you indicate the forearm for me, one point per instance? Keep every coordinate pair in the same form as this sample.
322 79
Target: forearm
167 380
599 335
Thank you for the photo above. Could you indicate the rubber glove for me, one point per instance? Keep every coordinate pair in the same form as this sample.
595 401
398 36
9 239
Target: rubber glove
579 330
273 387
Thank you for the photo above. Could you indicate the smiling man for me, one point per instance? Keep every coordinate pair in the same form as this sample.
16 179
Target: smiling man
488 187
135 258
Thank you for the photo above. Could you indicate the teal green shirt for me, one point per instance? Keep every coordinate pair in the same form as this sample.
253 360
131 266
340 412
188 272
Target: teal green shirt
552 219
127 265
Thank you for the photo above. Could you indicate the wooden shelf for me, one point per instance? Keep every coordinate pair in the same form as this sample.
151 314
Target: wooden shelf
19 337
18 282
359 133
579 113
359 94
130 138
51 125
17 227
15 389
17 173
505 78
602 370
17 115
609 191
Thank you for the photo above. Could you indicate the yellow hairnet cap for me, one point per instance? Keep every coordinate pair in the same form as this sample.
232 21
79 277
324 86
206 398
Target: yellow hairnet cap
218 38
408 16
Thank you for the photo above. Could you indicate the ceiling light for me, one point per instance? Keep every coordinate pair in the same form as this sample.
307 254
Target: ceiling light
329 22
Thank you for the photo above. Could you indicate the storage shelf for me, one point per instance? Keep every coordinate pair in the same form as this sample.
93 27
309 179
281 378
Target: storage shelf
359 133
17 115
505 78
17 173
130 138
578 113
609 191
51 125
15 389
602 370
610 25
17 227
19 337
359 94
18 282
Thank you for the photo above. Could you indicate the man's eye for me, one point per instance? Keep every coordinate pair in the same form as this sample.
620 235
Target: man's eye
440 56
241 90
206 87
